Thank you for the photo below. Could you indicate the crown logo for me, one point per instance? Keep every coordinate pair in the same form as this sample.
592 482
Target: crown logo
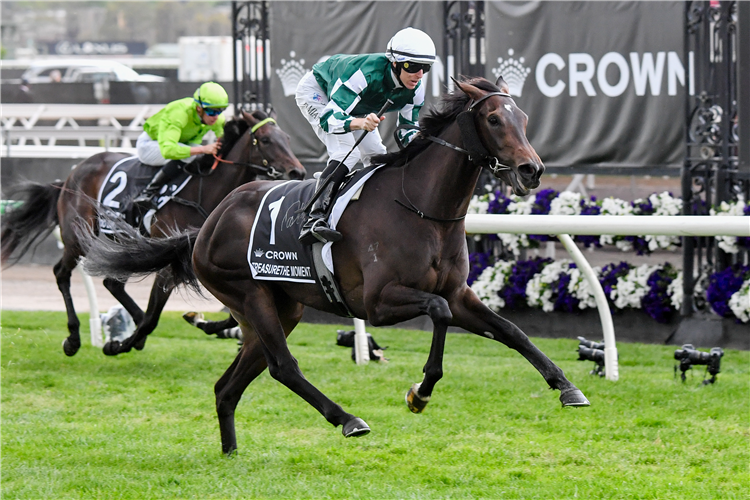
513 72
258 252
290 73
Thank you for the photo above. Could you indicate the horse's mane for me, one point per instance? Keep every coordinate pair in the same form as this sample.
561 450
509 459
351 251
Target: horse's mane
233 130
434 122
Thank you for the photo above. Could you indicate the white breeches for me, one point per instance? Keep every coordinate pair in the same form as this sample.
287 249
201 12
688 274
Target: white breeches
149 153
311 100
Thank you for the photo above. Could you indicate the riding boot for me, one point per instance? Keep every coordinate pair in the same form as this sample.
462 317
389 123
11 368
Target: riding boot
316 228
147 199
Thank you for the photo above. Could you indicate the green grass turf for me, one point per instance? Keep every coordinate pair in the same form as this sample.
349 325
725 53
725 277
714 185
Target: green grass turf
142 425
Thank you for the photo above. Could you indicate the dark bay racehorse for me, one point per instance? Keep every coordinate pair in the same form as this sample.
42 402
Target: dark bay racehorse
393 264
252 145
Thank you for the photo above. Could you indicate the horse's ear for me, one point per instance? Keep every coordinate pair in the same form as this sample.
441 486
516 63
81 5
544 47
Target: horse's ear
249 118
502 85
469 90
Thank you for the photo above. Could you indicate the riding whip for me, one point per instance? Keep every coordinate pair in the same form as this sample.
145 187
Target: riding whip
325 182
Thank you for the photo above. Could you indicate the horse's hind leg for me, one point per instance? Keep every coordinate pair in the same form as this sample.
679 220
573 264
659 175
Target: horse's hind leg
471 314
224 329
117 289
249 363
63 272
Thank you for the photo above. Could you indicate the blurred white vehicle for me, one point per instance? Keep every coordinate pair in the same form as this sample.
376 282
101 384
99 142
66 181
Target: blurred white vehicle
84 70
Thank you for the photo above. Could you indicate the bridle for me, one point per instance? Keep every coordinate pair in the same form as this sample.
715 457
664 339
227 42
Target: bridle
476 152
265 169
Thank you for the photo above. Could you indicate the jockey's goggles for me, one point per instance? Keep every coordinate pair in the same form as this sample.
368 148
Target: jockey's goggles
213 111
412 67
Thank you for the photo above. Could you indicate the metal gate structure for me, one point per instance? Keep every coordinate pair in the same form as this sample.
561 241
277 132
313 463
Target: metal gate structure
252 59
713 172
463 40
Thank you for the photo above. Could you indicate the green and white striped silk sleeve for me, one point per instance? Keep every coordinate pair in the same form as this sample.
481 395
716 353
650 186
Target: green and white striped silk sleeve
409 115
344 97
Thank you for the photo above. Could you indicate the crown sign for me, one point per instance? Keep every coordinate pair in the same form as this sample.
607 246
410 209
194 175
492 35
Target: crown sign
513 72
290 73
258 252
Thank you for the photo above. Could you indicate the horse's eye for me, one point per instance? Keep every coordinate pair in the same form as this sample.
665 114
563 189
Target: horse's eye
265 140
493 120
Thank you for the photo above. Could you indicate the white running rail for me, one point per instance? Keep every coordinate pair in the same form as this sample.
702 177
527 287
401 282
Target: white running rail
565 225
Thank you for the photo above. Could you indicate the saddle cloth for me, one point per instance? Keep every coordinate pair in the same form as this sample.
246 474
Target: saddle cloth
274 252
123 182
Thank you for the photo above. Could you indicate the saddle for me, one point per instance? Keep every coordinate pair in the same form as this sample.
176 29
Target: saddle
124 181
275 253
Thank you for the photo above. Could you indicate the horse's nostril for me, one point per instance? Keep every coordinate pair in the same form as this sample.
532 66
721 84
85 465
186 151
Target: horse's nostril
528 170
296 175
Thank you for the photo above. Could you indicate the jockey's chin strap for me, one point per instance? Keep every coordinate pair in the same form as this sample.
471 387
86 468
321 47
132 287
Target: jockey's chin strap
475 150
265 169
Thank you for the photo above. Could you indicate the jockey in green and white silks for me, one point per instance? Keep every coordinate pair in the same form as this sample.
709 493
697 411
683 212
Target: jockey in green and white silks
172 137
340 98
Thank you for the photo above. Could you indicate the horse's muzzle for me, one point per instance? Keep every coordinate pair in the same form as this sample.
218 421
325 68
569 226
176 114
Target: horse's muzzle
531 173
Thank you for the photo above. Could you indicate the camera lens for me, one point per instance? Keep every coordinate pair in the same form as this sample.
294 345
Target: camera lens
586 354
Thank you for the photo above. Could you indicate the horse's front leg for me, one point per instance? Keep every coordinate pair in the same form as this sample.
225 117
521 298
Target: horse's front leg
471 314
160 292
399 303
224 329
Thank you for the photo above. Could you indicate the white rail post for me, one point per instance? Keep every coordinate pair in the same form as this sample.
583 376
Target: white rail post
361 346
605 315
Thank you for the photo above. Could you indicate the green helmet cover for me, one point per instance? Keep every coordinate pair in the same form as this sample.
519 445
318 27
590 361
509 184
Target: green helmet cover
211 95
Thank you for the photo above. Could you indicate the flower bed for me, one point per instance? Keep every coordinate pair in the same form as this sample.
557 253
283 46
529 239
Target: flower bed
549 201
559 286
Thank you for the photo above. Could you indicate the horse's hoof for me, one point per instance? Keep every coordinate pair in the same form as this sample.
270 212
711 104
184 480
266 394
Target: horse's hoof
573 397
415 403
69 348
112 348
355 427
141 344
194 318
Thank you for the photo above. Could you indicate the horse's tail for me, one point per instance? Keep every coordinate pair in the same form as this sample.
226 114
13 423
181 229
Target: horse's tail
131 254
28 222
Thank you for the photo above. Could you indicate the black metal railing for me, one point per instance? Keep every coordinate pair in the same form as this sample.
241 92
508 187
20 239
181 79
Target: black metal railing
711 173
252 61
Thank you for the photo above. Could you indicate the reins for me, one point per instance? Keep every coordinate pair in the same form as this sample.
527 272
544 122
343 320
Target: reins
264 169
492 163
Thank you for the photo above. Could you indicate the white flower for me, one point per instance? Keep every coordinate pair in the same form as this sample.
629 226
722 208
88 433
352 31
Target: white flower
488 285
631 288
539 290
739 302
566 203
581 288
615 206
664 204
729 243
675 292
479 204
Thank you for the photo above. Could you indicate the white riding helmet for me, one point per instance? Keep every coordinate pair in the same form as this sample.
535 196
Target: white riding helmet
412 45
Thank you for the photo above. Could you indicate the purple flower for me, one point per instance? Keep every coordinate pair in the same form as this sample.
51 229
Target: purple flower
564 301
589 209
744 241
610 273
542 206
500 204
724 284
514 292
657 302
642 207
478 261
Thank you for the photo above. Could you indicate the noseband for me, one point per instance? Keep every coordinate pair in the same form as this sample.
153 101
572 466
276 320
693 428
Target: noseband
476 151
